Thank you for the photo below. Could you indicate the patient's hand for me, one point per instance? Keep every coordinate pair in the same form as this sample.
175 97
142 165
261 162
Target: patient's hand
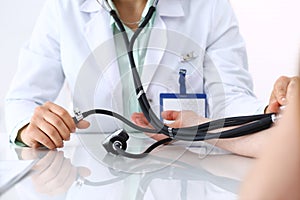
180 119
279 94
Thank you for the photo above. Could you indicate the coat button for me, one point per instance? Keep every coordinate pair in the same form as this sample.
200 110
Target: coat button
150 100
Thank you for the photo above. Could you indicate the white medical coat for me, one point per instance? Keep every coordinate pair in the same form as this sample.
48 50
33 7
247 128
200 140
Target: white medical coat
73 42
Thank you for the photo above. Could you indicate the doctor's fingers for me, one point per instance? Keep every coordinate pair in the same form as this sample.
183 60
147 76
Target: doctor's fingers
58 124
51 132
62 114
183 118
140 120
33 137
39 123
170 114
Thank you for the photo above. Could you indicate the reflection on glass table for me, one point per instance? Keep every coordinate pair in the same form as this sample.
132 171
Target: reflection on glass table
175 171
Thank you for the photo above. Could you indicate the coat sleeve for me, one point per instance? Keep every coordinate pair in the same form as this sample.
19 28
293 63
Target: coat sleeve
227 81
39 77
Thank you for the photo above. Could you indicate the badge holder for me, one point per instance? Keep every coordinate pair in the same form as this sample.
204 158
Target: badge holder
195 102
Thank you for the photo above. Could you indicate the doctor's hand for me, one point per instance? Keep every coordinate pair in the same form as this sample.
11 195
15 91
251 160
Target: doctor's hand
49 126
140 120
278 96
183 118
180 119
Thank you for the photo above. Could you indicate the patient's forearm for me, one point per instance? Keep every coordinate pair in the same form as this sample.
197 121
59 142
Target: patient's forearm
249 145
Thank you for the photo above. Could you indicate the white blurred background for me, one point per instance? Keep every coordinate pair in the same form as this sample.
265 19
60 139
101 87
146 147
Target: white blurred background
270 27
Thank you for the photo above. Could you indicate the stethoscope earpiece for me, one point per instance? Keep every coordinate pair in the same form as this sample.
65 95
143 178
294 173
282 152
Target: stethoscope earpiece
115 141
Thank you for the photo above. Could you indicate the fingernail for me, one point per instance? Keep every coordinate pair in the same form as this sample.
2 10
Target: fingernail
282 108
283 99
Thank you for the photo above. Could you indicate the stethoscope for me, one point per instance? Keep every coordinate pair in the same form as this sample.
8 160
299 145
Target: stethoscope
116 142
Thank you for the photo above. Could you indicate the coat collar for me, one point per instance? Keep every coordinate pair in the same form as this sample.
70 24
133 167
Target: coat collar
90 6
100 18
167 8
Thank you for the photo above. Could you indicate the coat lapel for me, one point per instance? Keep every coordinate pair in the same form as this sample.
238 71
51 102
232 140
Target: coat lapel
99 36
158 38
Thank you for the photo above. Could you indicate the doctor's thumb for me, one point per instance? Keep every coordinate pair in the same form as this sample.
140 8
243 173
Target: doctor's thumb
83 124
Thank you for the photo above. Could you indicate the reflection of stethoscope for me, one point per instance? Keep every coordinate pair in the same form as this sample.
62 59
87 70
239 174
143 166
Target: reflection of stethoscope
179 171
116 143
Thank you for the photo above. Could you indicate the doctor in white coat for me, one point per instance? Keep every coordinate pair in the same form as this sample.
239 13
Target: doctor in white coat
77 42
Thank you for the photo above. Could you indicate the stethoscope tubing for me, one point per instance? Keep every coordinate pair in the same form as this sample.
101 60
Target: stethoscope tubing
250 124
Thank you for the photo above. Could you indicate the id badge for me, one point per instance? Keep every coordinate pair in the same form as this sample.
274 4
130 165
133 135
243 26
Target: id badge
195 102
179 102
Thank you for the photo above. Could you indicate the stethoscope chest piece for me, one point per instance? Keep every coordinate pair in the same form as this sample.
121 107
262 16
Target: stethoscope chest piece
117 140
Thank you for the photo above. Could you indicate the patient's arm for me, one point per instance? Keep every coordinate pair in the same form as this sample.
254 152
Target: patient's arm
276 175
249 145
